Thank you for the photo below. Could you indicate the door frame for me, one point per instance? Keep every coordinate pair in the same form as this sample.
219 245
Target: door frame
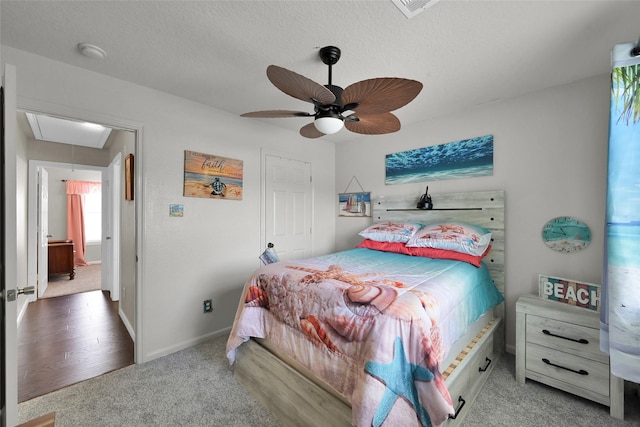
65 112
33 211
111 226
42 214
10 377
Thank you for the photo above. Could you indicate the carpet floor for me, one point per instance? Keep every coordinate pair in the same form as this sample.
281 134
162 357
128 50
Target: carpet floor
195 387
87 278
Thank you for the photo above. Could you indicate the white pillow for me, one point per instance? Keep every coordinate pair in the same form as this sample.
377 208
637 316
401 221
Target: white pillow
391 231
453 236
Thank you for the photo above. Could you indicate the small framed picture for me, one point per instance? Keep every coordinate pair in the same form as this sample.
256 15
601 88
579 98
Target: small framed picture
176 210
128 177
354 204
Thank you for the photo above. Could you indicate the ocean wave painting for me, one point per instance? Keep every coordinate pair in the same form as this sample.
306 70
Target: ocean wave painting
461 159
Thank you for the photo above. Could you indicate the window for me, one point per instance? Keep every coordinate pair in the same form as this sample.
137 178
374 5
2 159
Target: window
92 210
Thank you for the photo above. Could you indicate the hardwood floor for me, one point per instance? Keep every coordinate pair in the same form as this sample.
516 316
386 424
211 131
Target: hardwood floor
68 339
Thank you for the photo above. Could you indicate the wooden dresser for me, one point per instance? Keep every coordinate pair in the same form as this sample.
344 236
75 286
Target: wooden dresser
61 258
559 345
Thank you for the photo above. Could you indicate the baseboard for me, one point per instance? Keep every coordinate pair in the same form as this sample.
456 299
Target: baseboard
125 320
510 348
185 344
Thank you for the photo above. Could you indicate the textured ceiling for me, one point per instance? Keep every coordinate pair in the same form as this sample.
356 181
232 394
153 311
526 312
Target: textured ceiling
466 53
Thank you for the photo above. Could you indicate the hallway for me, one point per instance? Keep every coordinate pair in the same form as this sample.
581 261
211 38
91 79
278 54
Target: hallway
68 339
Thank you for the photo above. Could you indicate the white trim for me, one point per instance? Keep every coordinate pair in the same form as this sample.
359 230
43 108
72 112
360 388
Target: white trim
188 343
32 212
58 110
125 320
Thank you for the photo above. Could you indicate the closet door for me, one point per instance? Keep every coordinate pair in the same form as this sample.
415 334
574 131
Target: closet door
288 206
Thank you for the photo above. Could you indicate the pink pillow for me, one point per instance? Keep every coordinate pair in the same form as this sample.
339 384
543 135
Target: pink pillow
401 248
446 254
396 247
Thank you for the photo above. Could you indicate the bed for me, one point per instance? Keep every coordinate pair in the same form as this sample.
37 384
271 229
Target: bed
324 359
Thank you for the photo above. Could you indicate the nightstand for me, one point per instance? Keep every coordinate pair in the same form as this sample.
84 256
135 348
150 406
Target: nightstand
559 345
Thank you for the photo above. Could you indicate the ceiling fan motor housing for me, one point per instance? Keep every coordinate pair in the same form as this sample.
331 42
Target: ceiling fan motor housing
330 55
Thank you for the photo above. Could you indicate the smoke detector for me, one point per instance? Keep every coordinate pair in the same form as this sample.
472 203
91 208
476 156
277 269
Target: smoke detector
91 51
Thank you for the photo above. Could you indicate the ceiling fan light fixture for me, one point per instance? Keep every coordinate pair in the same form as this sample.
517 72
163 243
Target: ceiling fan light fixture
328 125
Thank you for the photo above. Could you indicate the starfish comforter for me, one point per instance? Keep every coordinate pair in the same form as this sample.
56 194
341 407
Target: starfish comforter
373 325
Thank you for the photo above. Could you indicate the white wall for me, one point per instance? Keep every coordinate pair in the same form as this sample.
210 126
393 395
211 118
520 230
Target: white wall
211 251
550 157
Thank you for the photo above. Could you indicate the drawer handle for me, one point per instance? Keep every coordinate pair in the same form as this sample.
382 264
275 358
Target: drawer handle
458 409
581 340
485 366
580 372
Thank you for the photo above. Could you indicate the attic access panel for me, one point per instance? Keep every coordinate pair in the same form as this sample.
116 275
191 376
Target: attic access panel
63 131
411 8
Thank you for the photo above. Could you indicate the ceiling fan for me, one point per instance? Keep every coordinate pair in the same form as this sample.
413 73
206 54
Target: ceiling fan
370 101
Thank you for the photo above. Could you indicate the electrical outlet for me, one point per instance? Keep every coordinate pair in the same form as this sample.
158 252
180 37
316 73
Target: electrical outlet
207 306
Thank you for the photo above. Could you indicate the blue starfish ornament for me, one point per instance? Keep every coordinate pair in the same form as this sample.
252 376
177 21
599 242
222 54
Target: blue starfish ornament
399 376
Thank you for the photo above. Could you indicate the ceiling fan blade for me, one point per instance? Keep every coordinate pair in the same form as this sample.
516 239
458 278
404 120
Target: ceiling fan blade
298 86
373 124
274 114
376 96
310 131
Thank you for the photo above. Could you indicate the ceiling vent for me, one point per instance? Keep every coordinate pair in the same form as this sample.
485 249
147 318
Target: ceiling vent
411 8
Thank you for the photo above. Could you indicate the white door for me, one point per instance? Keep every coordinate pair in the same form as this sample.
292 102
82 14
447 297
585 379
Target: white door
111 186
43 231
9 380
288 206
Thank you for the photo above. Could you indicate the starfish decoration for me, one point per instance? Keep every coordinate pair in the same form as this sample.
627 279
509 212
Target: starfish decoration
399 376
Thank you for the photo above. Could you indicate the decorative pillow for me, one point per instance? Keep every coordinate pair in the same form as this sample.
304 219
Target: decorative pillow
455 236
474 260
391 231
401 248
396 247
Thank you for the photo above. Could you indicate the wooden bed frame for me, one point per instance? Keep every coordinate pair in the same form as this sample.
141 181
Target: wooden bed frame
292 394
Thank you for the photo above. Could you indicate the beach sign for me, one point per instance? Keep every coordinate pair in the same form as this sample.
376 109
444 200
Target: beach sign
571 292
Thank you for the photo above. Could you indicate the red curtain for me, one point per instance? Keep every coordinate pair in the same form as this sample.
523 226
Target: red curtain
75 216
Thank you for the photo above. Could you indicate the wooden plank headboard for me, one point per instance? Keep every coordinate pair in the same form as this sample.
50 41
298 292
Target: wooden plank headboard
484 208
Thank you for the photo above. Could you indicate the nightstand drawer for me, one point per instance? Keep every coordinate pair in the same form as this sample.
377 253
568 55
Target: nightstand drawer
584 373
568 337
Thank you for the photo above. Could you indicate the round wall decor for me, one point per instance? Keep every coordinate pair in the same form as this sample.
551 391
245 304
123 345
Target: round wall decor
566 234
